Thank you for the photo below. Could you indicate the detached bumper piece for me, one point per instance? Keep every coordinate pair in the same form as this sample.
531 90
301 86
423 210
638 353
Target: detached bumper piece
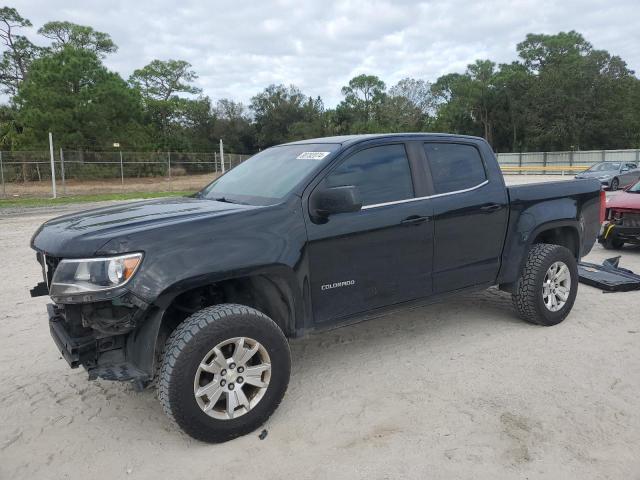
40 290
609 276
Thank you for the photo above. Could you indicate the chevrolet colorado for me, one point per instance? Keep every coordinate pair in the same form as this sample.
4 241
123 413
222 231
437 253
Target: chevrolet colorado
201 293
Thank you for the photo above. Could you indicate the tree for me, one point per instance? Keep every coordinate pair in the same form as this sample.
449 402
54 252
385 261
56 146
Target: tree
19 53
468 102
162 79
576 87
417 92
73 95
64 34
233 125
408 106
512 81
280 112
159 83
360 109
453 114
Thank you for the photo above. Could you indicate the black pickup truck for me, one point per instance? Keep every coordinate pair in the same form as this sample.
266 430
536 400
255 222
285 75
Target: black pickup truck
201 293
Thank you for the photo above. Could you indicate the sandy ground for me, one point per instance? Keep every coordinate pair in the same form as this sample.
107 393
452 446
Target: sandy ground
110 185
164 184
456 390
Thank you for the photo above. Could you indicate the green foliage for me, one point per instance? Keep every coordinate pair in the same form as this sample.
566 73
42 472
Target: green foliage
160 80
64 34
234 125
71 94
560 94
171 115
19 51
361 109
284 113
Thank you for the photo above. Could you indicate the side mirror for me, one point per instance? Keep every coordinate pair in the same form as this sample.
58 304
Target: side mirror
329 201
625 169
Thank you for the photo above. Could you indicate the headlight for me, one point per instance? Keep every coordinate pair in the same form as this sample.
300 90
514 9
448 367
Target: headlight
604 177
77 276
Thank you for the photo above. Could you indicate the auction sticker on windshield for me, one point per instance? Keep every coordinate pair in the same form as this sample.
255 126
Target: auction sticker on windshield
312 155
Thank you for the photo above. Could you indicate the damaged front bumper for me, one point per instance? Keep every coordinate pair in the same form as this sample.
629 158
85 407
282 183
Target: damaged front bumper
106 355
621 232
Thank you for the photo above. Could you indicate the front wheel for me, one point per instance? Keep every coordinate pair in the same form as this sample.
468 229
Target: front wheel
611 243
546 289
224 372
615 183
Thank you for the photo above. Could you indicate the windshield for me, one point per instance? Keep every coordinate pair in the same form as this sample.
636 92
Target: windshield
269 175
605 167
635 188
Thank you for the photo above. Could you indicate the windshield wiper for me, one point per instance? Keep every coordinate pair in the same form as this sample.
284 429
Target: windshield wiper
227 200
223 199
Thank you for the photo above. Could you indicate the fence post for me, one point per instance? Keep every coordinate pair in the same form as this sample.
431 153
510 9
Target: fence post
222 155
604 155
169 160
520 163
53 166
571 158
638 155
64 185
121 171
4 191
544 163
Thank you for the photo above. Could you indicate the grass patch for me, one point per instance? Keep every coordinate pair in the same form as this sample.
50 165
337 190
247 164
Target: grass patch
50 202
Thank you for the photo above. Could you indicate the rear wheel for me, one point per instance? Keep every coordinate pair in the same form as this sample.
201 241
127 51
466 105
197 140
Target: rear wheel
546 290
224 372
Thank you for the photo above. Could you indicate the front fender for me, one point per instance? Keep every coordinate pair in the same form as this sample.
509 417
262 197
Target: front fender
144 344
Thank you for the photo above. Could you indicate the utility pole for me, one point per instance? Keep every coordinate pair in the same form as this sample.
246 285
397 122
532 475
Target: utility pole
53 166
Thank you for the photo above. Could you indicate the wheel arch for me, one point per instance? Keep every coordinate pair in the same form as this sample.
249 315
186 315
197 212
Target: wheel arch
565 233
272 291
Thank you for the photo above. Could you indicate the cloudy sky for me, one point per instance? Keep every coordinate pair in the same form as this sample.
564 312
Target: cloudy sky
239 47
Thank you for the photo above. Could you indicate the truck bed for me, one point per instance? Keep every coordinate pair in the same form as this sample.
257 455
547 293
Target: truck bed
534 206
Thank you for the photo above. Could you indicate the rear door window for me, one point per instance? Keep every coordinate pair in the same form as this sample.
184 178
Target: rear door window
454 166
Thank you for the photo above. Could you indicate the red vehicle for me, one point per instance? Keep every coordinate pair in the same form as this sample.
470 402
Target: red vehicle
622 219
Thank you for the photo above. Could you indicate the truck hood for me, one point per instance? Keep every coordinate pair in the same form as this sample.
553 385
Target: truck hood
82 234
624 200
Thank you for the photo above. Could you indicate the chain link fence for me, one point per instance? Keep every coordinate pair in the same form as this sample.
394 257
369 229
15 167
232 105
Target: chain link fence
562 163
28 174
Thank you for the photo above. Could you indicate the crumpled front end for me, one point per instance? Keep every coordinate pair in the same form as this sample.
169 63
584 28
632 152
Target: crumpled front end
621 226
97 335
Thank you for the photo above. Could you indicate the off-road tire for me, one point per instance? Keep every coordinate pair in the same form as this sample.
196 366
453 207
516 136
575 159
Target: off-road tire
187 346
527 293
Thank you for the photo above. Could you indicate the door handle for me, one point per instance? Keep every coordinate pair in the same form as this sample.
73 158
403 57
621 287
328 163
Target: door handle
492 207
414 220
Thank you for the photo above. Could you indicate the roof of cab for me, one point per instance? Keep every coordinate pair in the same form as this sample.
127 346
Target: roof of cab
351 139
